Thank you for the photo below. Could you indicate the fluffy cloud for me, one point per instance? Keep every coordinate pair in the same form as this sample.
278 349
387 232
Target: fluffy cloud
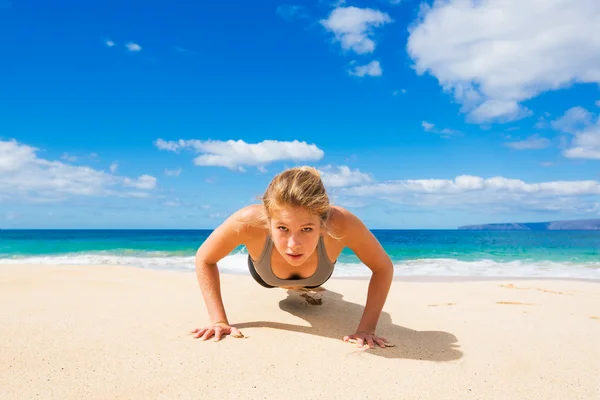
428 126
353 27
133 47
586 144
143 182
23 175
343 176
575 119
237 154
497 193
533 142
445 133
173 172
109 43
585 128
492 55
371 69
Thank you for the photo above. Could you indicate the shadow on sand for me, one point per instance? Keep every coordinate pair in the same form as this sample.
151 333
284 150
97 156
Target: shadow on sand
336 318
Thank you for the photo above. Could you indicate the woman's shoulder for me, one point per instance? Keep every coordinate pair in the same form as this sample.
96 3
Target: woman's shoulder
249 219
254 212
341 221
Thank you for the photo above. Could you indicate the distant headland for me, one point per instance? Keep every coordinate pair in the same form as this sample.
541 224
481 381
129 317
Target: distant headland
573 225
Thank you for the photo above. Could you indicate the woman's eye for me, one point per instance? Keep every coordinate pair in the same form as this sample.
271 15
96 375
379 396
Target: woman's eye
307 229
282 228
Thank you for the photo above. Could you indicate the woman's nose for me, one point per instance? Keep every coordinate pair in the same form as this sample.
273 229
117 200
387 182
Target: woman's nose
293 242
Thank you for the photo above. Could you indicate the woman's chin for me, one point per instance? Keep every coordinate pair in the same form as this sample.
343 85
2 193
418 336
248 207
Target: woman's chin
294 259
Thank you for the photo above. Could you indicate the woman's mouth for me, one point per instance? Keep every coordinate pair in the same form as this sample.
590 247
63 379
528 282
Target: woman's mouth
294 256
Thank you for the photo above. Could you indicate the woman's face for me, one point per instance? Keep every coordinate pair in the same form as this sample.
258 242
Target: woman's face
295 232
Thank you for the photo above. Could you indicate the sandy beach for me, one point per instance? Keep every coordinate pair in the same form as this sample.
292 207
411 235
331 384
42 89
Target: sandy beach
107 332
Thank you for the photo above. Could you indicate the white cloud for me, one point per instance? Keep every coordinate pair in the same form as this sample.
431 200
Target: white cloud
343 176
353 27
72 158
585 144
533 142
427 126
501 110
143 182
169 146
133 47
173 172
495 54
497 193
445 133
173 203
371 69
68 157
23 175
218 215
585 129
109 43
236 154
113 167
291 12
575 119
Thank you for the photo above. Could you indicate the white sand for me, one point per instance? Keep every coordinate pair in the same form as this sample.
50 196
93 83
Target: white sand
108 332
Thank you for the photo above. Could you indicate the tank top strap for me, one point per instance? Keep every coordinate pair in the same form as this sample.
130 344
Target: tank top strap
323 260
267 247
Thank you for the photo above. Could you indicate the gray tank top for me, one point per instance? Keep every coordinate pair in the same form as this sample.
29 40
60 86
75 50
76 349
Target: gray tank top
321 275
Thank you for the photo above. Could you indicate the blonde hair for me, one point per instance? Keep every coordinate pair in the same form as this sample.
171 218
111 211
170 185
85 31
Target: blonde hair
298 187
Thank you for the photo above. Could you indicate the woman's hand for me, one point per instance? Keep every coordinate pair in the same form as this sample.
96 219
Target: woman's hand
362 337
217 330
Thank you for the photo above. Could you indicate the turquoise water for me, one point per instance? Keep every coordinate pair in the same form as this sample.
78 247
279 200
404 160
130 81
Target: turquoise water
413 252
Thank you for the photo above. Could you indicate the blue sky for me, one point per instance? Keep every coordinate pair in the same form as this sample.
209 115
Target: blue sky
419 114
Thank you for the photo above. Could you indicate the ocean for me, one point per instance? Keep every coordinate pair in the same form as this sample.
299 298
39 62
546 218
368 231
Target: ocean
416 253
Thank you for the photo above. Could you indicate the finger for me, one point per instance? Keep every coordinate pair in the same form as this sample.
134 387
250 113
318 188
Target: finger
360 342
236 333
380 342
346 338
370 342
209 332
218 333
199 332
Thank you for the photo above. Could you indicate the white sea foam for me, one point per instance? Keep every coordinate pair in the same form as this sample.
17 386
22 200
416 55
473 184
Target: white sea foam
435 267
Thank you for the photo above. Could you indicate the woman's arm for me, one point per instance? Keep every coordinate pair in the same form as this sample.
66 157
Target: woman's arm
219 244
368 249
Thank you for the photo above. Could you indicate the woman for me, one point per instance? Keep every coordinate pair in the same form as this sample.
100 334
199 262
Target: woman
308 234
